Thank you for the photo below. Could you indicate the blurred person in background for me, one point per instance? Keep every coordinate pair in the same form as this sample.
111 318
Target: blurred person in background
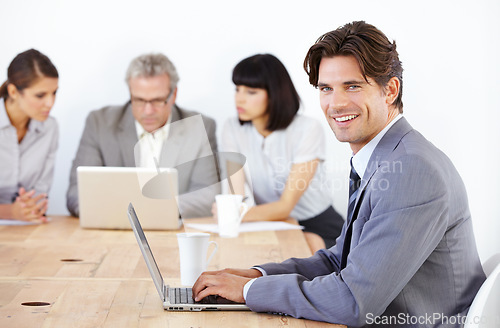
28 136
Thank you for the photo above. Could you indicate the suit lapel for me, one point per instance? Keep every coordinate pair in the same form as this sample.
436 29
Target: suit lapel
127 136
172 147
385 147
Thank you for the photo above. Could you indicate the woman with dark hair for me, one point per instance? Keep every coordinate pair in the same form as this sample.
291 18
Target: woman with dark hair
28 136
284 152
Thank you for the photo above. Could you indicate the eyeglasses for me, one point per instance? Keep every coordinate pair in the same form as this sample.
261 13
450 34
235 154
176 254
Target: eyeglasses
159 102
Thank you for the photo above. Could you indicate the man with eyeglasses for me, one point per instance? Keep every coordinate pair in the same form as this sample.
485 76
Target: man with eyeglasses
150 130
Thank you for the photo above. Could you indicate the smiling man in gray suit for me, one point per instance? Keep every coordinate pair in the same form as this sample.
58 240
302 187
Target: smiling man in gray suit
170 136
407 255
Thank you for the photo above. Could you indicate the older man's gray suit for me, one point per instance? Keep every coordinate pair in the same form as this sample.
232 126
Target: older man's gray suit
413 254
109 139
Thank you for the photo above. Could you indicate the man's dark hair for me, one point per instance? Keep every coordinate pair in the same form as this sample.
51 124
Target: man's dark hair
376 55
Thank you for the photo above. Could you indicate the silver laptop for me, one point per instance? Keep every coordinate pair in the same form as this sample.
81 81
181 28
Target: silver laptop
175 299
103 193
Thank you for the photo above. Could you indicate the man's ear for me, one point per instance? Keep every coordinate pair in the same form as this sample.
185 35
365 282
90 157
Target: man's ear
392 90
174 95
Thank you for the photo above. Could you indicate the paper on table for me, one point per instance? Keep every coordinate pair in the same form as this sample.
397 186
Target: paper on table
14 222
4 222
248 226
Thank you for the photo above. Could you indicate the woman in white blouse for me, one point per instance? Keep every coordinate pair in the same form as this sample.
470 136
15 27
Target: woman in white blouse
28 136
284 151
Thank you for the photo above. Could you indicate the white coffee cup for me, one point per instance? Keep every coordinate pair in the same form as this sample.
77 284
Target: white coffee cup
230 212
193 248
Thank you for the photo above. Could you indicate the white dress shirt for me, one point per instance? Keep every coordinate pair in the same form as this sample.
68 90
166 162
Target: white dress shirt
150 144
361 158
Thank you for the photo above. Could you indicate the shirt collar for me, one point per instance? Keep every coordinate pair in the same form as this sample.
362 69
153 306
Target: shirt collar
162 132
361 158
35 126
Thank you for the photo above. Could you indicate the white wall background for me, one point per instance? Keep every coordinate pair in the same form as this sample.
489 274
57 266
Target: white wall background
450 52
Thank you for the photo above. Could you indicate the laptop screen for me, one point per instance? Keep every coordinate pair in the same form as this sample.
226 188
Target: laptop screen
146 251
104 191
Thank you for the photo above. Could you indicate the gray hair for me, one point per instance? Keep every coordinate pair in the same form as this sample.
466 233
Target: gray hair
150 65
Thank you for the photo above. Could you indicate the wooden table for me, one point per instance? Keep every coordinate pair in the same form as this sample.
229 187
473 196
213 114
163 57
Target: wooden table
71 277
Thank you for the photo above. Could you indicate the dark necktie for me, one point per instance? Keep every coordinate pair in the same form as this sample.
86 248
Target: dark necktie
354 182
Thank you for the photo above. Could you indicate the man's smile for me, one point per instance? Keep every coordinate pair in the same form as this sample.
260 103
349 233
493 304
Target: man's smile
345 118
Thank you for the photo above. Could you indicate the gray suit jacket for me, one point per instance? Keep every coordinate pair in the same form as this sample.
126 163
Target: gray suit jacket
109 138
413 259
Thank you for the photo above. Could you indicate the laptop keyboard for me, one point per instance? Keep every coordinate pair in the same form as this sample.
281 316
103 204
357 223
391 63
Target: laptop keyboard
180 295
185 296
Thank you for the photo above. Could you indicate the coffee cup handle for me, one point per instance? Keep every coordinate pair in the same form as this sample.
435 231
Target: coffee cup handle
213 252
245 210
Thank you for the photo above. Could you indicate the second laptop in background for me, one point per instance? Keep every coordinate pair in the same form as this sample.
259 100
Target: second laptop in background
104 193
